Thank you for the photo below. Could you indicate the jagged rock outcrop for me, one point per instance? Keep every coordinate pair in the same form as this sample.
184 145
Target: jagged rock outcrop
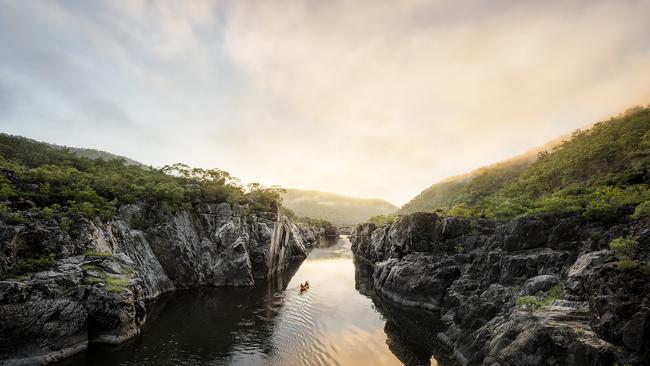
96 291
473 271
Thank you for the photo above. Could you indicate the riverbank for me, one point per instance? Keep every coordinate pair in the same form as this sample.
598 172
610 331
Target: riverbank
529 291
100 296
335 322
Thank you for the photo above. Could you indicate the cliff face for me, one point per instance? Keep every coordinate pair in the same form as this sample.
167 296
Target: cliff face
99 296
473 272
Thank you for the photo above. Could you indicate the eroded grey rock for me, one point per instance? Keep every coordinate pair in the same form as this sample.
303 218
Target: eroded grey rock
474 277
524 233
100 297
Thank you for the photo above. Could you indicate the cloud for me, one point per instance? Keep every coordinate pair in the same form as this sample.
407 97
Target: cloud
372 98
421 90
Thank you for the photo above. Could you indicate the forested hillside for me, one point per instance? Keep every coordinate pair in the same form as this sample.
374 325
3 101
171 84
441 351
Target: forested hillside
600 172
468 187
338 209
95 154
55 182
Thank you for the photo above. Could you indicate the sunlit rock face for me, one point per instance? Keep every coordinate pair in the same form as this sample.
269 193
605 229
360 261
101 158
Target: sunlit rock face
100 296
473 272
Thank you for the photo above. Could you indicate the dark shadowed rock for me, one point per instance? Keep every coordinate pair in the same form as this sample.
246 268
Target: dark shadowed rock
414 233
578 274
620 307
475 278
523 233
566 234
535 340
517 267
455 226
41 331
416 280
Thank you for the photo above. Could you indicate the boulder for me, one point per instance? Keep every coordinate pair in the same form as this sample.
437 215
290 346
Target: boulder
42 330
578 274
524 233
414 233
566 234
453 227
538 284
417 280
619 303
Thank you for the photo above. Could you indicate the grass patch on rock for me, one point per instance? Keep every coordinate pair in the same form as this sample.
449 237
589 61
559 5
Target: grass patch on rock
91 253
532 303
112 283
116 284
23 268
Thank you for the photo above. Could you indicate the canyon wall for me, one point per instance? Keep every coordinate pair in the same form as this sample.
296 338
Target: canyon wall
97 287
530 291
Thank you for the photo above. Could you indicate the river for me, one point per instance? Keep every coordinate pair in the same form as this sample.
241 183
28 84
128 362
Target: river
338 321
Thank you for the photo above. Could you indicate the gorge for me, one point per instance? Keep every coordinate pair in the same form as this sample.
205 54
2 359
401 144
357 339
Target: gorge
542 262
530 291
99 296
324 183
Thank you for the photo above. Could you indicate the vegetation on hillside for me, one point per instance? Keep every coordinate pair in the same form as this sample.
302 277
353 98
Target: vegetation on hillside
601 173
473 186
94 154
329 229
469 188
625 250
339 209
381 220
54 181
52 185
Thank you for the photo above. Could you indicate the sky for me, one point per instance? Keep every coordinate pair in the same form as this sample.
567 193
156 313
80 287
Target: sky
370 98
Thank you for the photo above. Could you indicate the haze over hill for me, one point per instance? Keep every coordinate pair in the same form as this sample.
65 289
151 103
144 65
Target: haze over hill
444 194
82 152
598 172
94 154
336 208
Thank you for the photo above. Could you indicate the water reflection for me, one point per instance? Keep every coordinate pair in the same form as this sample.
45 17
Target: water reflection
411 333
273 324
216 326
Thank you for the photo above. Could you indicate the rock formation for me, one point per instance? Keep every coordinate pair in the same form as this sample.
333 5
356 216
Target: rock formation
473 272
105 272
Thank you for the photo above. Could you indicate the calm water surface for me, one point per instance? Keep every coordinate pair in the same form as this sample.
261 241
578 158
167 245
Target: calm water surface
333 323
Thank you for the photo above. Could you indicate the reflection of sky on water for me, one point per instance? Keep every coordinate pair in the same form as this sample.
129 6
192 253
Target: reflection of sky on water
273 324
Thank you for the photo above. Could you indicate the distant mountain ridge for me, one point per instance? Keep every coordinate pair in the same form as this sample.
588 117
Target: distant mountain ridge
92 154
336 208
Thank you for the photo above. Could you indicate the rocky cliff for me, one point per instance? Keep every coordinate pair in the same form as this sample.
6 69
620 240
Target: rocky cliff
531 291
102 274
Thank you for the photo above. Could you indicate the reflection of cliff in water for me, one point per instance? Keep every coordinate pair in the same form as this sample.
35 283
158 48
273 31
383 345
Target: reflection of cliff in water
410 332
206 323
325 242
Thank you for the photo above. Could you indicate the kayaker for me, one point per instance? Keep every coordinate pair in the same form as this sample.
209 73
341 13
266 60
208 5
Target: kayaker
304 287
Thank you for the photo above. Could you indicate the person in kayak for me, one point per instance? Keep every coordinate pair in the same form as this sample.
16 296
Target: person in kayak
304 287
